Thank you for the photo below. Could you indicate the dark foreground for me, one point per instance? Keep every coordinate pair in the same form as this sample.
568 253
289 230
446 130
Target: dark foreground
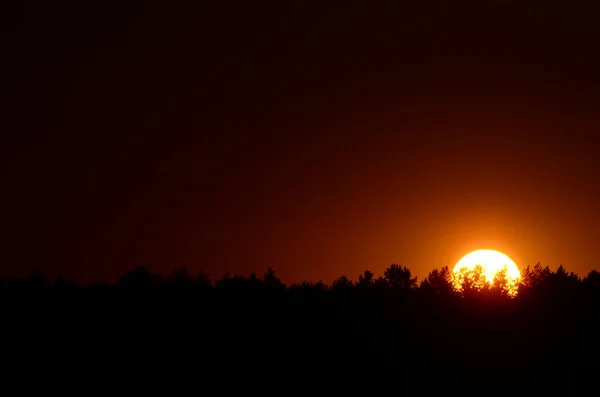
301 335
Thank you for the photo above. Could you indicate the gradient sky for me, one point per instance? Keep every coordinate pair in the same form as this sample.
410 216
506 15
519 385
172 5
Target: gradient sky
318 139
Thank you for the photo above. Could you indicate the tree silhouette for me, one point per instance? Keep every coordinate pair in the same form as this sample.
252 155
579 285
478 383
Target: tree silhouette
471 282
202 280
342 283
138 278
438 281
591 289
533 277
179 278
366 279
503 286
592 281
271 280
457 322
399 277
65 285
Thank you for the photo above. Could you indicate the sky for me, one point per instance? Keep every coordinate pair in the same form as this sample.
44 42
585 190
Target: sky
318 138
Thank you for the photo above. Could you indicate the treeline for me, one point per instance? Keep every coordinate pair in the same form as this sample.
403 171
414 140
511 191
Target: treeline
535 281
389 326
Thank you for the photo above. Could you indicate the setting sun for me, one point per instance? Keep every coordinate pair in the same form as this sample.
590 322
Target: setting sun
491 262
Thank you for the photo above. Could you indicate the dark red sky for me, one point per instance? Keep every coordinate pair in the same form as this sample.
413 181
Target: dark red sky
320 139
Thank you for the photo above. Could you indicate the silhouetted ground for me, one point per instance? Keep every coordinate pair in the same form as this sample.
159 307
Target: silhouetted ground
380 334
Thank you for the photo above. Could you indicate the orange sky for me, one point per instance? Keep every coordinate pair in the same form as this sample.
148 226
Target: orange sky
319 141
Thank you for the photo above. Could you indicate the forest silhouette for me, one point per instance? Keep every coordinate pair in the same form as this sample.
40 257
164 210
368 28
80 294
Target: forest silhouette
378 327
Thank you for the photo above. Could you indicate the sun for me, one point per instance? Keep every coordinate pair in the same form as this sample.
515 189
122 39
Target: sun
491 263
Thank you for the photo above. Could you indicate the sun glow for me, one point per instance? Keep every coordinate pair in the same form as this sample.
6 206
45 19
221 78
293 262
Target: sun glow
492 263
